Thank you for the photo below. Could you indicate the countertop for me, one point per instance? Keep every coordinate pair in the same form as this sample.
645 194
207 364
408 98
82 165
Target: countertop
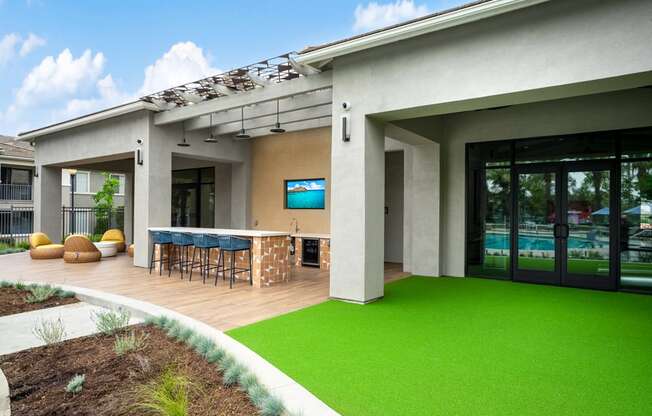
222 231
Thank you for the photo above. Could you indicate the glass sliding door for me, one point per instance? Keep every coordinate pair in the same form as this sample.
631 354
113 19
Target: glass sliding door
193 198
537 252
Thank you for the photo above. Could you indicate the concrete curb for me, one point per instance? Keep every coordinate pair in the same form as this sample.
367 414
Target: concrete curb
295 397
5 407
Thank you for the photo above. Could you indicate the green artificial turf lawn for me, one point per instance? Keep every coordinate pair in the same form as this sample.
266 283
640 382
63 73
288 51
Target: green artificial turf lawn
453 346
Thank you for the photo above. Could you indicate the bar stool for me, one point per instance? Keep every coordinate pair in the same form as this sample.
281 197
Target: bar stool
181 243
231 244
162 239
203 242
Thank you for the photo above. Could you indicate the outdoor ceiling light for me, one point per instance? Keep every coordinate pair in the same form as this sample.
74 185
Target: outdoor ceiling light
183 143
210 138
277 128
242 134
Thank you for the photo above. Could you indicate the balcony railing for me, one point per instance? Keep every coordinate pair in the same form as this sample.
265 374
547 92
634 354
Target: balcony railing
12 192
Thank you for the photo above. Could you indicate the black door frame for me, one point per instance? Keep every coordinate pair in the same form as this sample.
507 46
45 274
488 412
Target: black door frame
560 275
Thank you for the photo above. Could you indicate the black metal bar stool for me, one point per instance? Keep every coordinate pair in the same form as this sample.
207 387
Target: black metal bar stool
204 242
163 239
231 244
181 243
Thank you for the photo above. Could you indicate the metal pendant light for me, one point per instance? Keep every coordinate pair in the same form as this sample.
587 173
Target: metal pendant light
210 138
277 128
242 134
183 143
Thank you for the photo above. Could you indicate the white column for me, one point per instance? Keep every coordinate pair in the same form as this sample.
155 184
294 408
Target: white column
152 195
357 210
47 202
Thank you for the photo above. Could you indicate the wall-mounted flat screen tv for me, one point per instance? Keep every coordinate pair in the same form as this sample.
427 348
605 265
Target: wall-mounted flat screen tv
305 193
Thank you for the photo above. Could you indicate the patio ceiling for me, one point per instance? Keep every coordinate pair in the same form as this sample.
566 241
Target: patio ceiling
303 95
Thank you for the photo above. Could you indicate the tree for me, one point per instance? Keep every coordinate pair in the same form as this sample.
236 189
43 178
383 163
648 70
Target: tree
104 202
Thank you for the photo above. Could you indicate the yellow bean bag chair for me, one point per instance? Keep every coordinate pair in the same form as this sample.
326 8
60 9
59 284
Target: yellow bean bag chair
79 249
41 247
130 250
115 235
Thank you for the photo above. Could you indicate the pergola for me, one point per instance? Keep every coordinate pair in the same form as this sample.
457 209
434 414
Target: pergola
255 97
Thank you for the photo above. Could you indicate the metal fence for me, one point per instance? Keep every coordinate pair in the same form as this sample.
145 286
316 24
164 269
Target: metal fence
11 192
16 224
91 221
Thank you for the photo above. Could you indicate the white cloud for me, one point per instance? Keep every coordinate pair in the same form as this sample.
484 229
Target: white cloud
184 62
373 15
8 45
54 79
32 42
67 86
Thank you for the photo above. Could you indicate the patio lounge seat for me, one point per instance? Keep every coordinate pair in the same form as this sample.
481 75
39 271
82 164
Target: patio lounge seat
41 247
116 236
79 249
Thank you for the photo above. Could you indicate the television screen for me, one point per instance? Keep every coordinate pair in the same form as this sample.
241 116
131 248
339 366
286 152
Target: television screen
305 194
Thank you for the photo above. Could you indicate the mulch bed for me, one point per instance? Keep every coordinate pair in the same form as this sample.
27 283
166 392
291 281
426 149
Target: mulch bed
12 301
37 378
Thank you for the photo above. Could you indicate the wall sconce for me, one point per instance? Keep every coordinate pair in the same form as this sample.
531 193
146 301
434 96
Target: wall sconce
346 129
139 154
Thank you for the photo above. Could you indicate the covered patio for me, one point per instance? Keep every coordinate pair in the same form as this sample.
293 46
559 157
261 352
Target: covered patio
218 306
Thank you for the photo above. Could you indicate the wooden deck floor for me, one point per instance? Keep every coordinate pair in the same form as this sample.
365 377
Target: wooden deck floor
218 306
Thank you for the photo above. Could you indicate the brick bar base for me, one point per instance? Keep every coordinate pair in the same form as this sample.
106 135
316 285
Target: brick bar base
270 260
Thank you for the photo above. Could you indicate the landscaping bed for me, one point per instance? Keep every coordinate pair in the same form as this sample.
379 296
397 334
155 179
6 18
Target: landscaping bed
13 300
114 383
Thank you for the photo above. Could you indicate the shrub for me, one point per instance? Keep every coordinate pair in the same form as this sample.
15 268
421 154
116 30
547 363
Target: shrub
65 293
129 342
232 374
50 331
38 294
271 406
215 355
257 394
23 245
185 334
20 286
110 322
5 284
76 384
167 395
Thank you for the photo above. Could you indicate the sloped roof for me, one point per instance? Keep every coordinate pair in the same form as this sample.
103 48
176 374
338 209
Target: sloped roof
10 147
383 29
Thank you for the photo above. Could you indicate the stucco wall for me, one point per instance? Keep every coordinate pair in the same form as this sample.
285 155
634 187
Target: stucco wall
296 155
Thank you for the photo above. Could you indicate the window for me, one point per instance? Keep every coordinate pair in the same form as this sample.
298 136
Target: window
82 181
121 181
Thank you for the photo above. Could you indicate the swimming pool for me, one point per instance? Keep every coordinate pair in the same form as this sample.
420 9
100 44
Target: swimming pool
527 242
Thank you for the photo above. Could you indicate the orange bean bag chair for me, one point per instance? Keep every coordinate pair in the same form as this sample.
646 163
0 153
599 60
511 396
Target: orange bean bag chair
41 247
130 250
116 236
79 249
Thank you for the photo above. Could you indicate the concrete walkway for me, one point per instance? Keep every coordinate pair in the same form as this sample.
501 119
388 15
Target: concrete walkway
17 332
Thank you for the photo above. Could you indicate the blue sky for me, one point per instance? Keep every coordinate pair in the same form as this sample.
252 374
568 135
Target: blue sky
61 59
315 185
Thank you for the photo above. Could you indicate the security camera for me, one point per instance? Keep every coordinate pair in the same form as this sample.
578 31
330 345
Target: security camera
346 105
139 141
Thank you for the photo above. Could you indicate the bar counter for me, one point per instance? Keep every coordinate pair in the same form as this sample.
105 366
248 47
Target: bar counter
270 251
